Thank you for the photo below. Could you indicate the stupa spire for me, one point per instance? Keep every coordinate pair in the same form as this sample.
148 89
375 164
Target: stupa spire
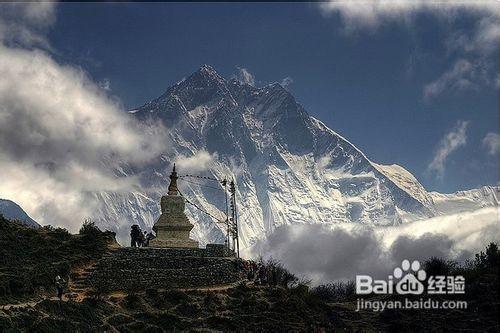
172 188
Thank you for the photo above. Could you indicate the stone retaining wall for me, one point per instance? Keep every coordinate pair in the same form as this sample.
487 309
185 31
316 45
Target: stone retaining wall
135 269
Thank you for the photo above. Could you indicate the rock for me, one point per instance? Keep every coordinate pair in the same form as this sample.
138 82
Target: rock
135 269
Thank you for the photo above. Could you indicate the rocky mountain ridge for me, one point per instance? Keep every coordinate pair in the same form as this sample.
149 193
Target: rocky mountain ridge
12 211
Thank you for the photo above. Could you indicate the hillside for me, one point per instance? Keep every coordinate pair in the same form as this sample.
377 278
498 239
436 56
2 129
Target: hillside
287 305
30 258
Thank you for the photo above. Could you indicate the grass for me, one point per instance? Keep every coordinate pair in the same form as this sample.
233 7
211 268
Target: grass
30 259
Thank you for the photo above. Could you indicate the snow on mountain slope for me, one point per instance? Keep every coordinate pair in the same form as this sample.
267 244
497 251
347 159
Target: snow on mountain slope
408 183
462 201
289 167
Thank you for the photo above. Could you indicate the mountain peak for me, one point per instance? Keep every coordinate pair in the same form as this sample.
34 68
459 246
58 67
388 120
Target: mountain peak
208 72
205 77
201 87
276 87
207 68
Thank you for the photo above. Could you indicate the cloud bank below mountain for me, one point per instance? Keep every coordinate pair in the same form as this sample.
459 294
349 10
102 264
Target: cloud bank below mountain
328 253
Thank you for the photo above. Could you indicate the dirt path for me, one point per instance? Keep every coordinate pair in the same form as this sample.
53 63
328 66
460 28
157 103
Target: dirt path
209 288
19 305
28 304
121 294
80 296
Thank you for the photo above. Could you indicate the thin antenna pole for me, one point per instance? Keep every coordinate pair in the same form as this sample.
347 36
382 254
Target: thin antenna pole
236 243
231 191
224 182
236 226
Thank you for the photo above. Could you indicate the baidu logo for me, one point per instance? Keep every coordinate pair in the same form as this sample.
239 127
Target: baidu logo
411 277
408 279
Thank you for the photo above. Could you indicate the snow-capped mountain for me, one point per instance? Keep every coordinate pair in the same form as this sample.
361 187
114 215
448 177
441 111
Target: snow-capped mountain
12 211
289 167
463 201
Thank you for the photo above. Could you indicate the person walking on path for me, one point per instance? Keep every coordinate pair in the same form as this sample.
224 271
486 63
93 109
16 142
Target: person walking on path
59 287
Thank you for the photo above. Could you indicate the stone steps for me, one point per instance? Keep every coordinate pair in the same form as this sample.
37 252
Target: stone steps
79 279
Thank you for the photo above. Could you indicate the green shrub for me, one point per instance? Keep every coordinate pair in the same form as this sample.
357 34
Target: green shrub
301 290
488 259
339 291
89 228
278 275
438 266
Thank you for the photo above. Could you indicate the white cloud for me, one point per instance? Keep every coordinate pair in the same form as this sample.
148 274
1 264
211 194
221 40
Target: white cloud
61 136
464 75
105 84
17 34
286 82
326 253
487 36
57 129
324 162
456 138
371 13
201 161
492 142
25 23
245 76
473 46
40 13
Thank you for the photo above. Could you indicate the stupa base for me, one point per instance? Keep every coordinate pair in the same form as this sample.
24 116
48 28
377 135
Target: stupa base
174 242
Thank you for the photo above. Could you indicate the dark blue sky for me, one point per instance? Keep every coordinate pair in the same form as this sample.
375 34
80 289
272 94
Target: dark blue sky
367 85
